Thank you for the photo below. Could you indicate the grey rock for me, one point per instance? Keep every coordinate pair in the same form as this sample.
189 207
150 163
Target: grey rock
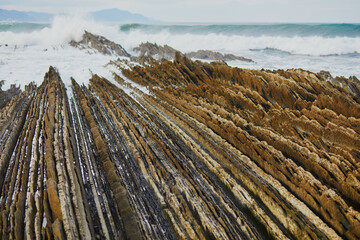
166 52
325 75
7 95
156 51
211 55
351 84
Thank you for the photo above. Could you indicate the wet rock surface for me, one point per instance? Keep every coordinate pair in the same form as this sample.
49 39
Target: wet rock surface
216 56
100 44
352 84
155 51
6 96
212 152
166 52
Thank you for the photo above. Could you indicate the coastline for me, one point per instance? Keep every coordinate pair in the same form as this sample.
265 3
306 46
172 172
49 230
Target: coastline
207 151
149 142
329 47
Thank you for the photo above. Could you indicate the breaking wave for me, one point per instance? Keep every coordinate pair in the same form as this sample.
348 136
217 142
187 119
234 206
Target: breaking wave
331 47
310 45
62 30
306 39
255 30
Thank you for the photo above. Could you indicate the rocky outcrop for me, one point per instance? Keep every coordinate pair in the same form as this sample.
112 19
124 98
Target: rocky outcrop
213 152
352 84
6 96
216 56
100 44
291 120
156 51
166 52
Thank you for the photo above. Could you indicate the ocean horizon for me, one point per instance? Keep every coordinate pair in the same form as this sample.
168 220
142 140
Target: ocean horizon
168 130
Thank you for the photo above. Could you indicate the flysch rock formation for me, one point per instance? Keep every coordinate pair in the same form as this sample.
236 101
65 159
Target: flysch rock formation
100 44
166 52
216 56
5 96
213 152
351 84
155 51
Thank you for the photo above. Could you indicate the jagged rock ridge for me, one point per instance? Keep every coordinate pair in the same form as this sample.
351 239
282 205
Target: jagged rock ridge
352 84
213 152
5 96
156 51
166 52
147 50
100 44
210 55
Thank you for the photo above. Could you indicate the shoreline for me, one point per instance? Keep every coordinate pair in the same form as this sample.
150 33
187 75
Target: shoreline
208 151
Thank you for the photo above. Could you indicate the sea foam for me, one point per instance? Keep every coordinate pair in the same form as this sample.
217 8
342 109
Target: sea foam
62 30
32 47
310 45
315 40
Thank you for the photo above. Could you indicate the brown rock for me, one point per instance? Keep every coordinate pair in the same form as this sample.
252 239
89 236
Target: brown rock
100 44
156 51
53 198
216 56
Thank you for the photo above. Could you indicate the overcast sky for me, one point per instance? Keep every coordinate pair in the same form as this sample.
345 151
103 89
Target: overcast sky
208 10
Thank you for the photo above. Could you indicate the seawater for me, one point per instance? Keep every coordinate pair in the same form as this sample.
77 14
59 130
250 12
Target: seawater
331 47
268 29
311 39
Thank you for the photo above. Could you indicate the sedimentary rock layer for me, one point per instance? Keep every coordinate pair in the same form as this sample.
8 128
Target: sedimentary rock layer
212 152
210 55
100 44
150 50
